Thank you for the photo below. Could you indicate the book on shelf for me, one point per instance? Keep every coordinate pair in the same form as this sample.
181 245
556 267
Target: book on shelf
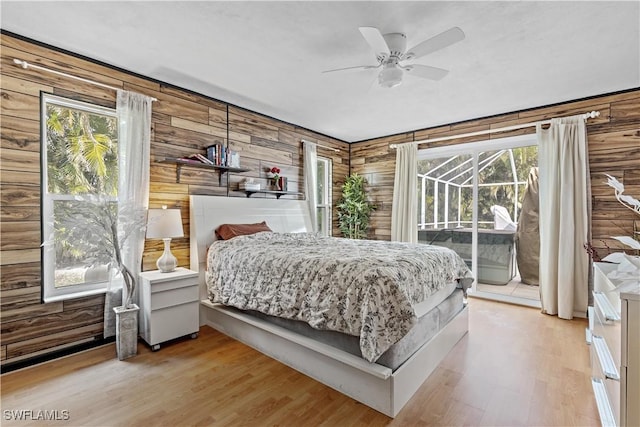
188 159
214 154
196 159
203 159
223 156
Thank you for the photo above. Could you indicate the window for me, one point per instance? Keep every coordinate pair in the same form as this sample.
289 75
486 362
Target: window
324 196
79 162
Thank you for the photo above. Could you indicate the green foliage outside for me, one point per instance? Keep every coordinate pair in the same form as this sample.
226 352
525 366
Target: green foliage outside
82 152
353 208
499 171
82 163
99 229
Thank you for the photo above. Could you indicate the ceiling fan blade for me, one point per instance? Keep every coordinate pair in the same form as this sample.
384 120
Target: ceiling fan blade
426 72
438 42
376 41
361 67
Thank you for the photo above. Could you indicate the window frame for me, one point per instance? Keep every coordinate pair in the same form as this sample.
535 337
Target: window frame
327 194
49 292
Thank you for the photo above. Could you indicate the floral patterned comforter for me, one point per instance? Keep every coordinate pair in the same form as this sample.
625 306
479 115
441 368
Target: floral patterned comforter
364 288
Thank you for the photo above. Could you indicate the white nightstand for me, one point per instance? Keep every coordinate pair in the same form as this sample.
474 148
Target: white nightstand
168 305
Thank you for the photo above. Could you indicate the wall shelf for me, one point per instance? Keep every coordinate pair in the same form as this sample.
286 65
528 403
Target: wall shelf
180 163
278 193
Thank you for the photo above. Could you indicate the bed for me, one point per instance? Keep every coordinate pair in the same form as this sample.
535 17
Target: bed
381 371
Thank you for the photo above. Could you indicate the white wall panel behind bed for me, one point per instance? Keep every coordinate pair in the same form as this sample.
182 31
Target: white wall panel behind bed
208 212
374 385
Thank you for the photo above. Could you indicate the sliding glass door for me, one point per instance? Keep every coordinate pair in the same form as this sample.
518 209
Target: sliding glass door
470 200
445 216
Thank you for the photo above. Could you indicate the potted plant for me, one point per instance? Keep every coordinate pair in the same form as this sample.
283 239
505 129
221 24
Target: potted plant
109 225
354 209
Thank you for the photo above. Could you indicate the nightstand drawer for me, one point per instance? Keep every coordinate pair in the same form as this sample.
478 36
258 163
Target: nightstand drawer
173 284
173 297
172 322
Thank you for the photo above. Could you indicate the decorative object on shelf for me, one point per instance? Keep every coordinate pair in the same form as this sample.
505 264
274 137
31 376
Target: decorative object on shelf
165 224
249 185
274 175
282 184
234 159
353 208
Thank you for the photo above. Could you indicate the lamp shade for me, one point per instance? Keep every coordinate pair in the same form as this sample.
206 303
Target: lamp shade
164 223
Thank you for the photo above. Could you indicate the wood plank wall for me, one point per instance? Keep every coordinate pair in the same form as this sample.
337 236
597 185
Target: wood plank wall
614 148
183 123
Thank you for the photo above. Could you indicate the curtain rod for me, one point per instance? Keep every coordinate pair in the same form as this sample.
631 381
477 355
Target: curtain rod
25 65
337 150
585 116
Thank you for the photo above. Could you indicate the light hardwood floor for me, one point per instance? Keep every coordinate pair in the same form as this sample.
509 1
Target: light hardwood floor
515 367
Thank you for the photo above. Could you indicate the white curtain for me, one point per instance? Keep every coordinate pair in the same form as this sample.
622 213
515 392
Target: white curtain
134 144
311 181
564 217
404 213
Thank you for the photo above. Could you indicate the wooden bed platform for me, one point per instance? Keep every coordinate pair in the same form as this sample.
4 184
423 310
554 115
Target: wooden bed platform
374 385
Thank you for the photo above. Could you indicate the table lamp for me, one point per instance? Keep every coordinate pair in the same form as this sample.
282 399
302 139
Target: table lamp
165 224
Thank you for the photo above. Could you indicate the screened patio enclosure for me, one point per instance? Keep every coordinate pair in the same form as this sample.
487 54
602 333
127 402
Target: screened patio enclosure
446 206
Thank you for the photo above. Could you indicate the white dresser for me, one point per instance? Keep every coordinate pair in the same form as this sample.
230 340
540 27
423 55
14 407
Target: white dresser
168 305
614 334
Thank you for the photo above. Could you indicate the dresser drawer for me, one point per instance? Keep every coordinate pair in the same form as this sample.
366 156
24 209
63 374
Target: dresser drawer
600 368
602 364
607 418
171 297
608 326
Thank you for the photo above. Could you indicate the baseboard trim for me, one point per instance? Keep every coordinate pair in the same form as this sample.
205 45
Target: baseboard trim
12 366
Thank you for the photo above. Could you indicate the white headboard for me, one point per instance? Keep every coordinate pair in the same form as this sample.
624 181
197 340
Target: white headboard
208 212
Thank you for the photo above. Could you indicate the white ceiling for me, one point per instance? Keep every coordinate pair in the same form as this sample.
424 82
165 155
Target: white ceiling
269 56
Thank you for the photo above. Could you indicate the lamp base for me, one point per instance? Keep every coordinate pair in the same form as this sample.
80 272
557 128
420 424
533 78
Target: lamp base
167 262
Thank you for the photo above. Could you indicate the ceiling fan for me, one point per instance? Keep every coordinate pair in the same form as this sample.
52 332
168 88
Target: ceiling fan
391 49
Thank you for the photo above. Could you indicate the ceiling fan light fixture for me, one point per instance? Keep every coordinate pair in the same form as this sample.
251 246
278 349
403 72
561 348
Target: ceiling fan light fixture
391 51
390 77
